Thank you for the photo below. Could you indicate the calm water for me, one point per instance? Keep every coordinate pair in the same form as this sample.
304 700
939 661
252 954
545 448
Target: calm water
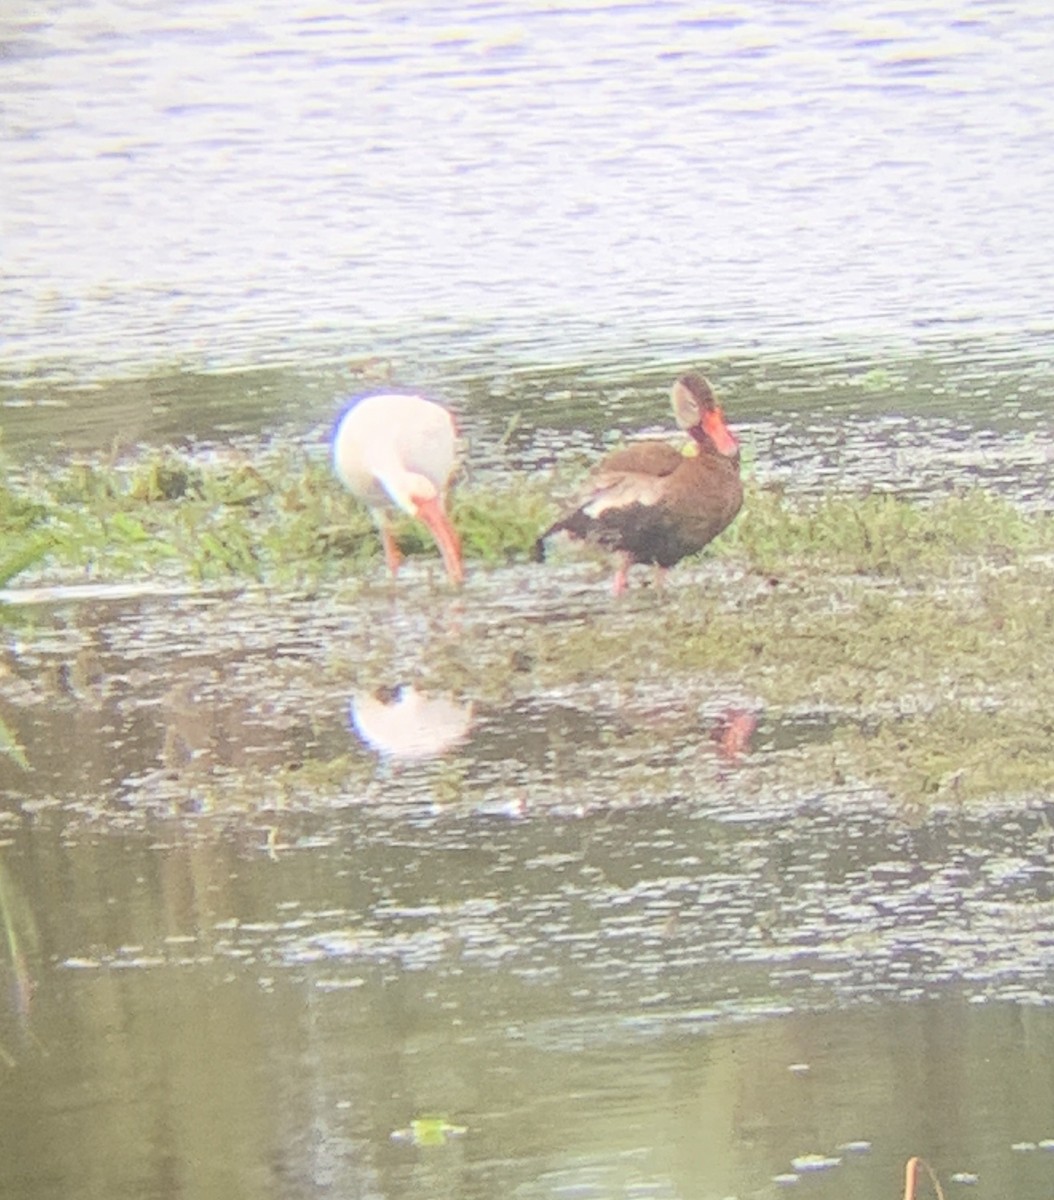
245 953
217 185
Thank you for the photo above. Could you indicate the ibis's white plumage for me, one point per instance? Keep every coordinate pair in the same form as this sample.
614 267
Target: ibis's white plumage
384 441
397 451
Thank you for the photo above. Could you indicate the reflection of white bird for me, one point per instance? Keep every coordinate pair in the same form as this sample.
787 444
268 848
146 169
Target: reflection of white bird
413 725
398 452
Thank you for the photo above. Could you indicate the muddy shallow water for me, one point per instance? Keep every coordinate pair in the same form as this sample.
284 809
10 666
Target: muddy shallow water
588 951
922 422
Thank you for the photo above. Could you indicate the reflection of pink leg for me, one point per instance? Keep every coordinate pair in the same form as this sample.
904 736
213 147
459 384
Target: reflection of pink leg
392 555
621 580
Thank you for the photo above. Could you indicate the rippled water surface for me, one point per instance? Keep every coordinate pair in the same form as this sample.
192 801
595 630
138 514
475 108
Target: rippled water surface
587 951
919 425
221 185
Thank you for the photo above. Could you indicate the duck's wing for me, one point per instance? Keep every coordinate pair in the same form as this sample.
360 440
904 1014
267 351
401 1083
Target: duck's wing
638 474
633 478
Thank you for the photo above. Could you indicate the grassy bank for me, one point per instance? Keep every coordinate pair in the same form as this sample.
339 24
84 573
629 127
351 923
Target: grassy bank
283 520
919 626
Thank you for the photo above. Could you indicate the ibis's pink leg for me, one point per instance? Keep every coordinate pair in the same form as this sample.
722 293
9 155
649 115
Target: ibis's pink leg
392 554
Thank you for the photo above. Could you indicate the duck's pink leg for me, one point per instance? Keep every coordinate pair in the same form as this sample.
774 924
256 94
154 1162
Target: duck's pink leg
621 581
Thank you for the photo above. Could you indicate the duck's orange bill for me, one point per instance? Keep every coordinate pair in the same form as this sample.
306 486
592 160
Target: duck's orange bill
725 441
433 514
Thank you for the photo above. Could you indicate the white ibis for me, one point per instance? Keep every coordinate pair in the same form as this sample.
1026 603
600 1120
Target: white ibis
398 452
654 503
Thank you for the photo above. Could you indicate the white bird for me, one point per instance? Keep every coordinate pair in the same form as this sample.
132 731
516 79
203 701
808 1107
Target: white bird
398 451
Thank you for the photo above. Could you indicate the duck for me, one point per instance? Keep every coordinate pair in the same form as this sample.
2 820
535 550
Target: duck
397 452
653 503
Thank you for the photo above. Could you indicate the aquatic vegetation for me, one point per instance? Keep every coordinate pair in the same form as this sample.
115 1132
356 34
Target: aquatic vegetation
912 625
24 541
282 517
951 753
10 748
881 533
21 547
21 552
428 1131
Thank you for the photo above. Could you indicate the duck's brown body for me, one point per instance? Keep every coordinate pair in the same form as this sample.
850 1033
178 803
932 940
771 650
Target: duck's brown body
653 503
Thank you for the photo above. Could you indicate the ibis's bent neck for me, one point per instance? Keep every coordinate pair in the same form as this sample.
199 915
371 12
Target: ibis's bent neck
407 489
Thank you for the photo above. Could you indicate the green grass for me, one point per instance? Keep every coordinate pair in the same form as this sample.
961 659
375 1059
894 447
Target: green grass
883 534
285 519
24 539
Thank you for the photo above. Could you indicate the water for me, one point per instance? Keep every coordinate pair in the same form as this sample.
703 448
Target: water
586 953
918 424
270 1016
214 186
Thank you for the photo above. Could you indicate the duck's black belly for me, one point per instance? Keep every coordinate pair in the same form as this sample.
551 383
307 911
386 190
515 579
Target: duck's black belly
648 533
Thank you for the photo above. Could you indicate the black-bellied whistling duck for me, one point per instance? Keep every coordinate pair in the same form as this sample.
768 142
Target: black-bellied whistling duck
653 503
398 452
